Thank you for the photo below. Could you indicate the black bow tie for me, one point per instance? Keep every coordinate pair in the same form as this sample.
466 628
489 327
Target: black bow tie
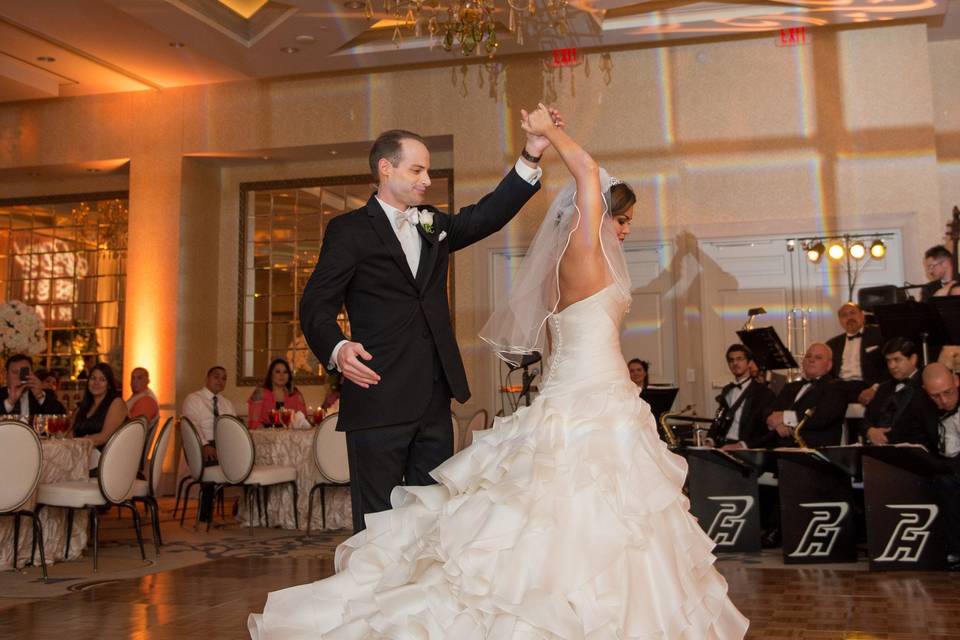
859 334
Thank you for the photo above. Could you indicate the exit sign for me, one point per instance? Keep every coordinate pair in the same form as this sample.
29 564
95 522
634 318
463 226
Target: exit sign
565 57
793 37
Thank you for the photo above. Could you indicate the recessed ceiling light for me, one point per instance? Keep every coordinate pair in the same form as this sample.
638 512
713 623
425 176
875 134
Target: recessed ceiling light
355 5
34 174
46 59
177 45
92 170
333 152
305 39
290 50
264 157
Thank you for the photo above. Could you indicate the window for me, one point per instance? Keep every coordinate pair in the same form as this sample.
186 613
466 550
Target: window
282 228
65 256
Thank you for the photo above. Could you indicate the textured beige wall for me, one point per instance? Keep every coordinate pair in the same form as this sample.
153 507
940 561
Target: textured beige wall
720 139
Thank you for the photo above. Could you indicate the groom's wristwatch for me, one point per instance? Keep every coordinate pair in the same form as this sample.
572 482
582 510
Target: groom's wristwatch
531 158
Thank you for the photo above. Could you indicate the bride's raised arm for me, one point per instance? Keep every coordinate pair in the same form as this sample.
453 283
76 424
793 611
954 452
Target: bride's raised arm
582 268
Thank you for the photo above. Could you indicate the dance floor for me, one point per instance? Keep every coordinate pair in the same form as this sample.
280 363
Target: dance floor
210 597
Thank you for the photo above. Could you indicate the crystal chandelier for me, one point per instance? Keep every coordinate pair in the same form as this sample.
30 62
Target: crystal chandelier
470 24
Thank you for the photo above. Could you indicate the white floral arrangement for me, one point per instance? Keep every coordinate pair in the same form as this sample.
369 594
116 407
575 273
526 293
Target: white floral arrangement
21 329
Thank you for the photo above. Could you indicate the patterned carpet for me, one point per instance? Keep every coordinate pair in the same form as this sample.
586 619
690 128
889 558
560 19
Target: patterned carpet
182 547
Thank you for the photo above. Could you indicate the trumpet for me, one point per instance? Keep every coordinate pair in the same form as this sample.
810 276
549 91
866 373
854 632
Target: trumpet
796 431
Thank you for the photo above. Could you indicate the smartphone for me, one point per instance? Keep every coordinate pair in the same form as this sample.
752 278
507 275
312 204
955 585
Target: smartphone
24 373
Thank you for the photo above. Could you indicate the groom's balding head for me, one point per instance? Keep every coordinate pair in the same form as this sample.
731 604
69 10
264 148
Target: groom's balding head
388 146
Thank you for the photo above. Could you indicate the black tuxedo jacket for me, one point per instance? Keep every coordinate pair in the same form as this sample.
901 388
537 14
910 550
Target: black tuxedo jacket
50 406
873 366
402 321
910 414
757 400
825 427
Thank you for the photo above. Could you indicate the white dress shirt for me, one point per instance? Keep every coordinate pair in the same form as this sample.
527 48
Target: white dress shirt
950 435
732 396
411 241
850 369
24 404
198 407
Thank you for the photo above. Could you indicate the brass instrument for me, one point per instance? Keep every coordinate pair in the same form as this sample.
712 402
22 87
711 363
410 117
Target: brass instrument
796 431
682 417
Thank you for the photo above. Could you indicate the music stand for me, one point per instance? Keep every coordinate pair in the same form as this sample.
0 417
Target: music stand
918 321
768 349
948 308
660 399
868 298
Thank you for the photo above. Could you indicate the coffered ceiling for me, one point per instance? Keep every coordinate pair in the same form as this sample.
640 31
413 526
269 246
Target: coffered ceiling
60 48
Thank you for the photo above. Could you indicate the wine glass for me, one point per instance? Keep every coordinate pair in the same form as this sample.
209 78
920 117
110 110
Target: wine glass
274 418
286 415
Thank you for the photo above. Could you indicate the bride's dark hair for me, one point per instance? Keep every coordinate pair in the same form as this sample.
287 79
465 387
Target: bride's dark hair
622 198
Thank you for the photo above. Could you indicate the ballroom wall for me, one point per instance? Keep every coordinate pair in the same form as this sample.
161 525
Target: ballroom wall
720 139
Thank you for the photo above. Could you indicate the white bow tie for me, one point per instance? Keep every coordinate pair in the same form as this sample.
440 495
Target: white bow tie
411 216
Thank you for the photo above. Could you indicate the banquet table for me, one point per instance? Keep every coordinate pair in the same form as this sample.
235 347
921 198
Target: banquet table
294 448
66 459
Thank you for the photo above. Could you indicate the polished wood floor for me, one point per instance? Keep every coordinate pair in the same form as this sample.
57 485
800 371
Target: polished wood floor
211 601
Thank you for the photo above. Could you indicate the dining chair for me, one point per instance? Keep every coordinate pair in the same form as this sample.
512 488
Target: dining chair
199 474
21 458
114 485
237 456
146 491
330 456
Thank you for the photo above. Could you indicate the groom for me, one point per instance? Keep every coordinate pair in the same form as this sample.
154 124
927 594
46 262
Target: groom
387 262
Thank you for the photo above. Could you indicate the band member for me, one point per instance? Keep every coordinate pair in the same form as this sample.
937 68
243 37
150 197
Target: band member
744 404
858 362
818 392
900 411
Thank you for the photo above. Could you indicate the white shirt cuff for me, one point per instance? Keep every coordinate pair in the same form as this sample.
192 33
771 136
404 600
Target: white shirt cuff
8 406
790 418
333 355
530 175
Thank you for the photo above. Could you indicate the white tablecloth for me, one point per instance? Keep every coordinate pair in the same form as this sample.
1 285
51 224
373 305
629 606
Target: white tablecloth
66 459
294 448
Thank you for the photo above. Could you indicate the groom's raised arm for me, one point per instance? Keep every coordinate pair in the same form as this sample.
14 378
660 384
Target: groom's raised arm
323 296
494 210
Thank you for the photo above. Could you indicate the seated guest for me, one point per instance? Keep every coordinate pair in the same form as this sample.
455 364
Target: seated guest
857 358
744 404
900 411
24 394
943 387
203 407
102 410
639 373
277 392
143 402
818 391
938 263
331 401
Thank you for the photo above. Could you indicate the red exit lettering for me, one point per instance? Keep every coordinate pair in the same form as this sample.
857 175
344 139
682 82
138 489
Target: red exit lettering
565 57
793 37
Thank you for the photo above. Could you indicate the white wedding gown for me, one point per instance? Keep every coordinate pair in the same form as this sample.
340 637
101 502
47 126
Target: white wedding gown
564 520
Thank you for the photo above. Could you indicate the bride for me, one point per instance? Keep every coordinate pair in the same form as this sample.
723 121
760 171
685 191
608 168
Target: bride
565 520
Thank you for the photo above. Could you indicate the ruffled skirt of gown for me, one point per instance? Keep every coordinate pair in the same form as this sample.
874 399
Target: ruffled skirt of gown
563 521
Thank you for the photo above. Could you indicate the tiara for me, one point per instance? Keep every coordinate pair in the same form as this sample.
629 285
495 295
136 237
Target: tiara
614 180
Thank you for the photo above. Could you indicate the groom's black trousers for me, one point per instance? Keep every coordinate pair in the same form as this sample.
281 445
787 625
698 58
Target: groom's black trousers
383 457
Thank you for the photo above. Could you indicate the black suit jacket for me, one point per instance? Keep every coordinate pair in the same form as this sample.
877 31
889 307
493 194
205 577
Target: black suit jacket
50 406
402 321
825 426
757 400
873 366
910 414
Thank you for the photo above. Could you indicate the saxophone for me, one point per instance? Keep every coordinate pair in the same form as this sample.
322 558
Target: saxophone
680 416
796 432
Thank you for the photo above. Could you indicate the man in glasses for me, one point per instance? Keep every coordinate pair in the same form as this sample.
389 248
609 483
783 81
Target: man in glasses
938 263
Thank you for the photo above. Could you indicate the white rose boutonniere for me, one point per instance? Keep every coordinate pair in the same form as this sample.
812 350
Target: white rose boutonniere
425 216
